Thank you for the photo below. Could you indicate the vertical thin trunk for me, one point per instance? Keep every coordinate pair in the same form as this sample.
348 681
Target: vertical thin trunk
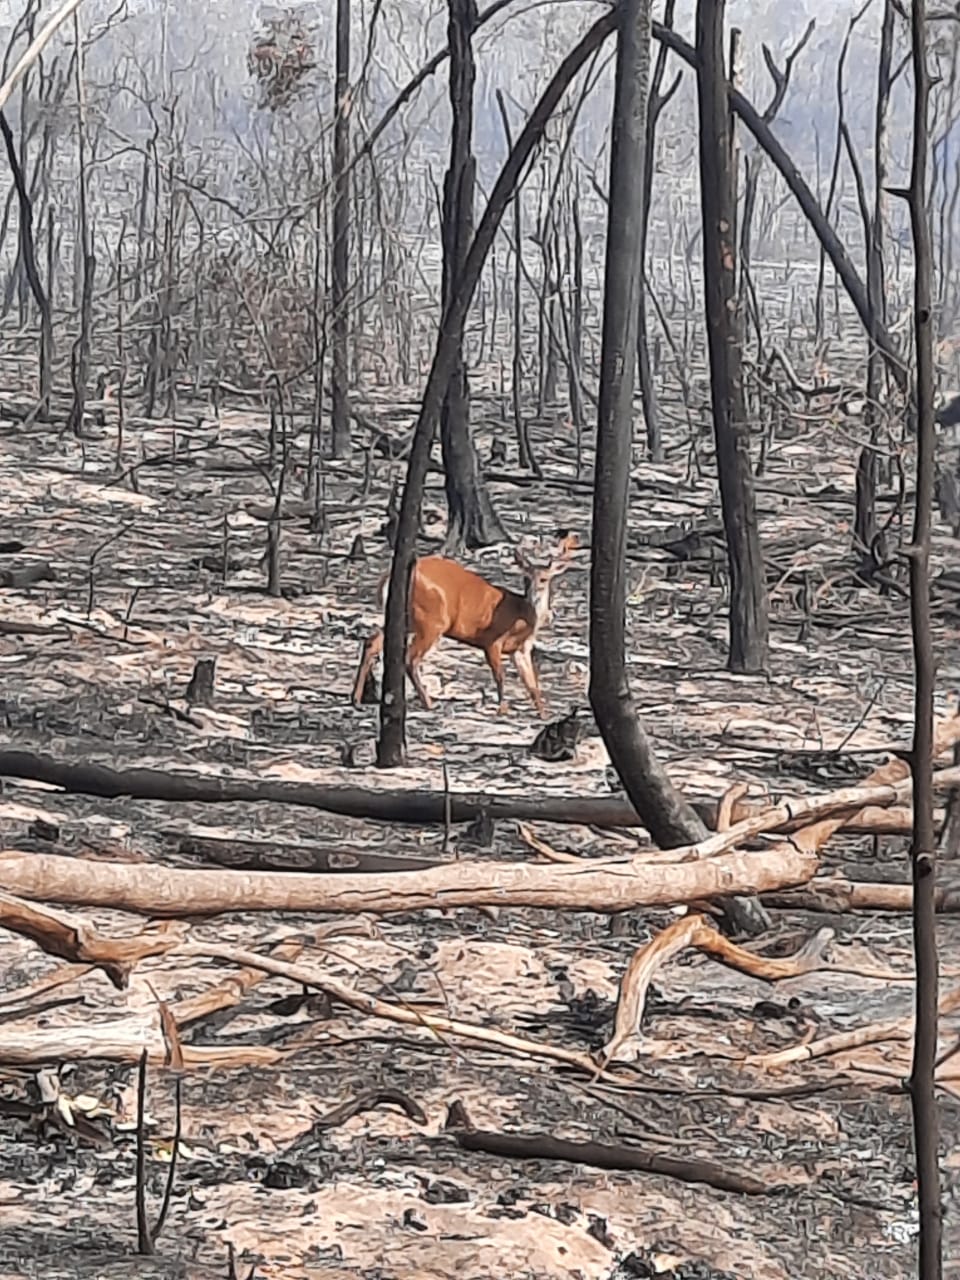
648 389
80 357
340 264
926 1121
748 588
471 518
865 520
525 455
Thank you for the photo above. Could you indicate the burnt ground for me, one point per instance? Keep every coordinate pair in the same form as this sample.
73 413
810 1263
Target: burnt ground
139 596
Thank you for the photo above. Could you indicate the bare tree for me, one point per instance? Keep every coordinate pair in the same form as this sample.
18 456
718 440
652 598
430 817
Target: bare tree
748 587
658 100
471 518
525 454
80 355
865 523
753 162
28 256
926 1123
340 325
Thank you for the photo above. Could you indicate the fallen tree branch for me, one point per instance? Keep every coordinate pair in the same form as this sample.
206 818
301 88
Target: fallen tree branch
438 1026
80 943
232 989
10 627
62 976
873 1033
26 1045
228 993
604 1155
245 854
695 931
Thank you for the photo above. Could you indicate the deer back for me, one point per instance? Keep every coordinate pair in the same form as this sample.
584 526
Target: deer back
472 610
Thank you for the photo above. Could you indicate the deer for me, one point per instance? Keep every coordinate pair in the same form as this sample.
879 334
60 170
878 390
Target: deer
445 599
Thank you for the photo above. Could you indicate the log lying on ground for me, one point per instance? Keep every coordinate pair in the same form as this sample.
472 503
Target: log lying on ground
271 855
416 807
124 1041
420 807
608 885
835 895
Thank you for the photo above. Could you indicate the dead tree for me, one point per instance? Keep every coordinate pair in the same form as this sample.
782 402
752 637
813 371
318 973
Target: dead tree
525 455
80 356
340 257
471 518
748 588
28 256
926 1121
657 102
753 162
669 818
865 520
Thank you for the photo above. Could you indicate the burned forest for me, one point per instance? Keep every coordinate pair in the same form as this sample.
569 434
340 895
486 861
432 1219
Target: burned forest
479 639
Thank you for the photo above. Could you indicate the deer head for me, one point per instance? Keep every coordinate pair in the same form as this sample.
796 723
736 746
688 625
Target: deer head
538 578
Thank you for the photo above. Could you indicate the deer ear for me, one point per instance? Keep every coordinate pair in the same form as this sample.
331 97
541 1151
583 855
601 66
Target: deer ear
522 560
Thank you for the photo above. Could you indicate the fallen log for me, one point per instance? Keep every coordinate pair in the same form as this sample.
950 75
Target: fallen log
607 1155
607 885
415 807
269 855
835 896
407 807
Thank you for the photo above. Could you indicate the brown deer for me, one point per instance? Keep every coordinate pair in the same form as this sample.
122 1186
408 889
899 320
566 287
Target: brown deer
446 599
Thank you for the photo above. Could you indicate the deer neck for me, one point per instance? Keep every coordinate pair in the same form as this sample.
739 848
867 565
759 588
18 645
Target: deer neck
538 597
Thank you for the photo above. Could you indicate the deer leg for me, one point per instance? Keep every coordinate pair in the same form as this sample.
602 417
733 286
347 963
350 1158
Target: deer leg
372 646
523 661
421 644
494 657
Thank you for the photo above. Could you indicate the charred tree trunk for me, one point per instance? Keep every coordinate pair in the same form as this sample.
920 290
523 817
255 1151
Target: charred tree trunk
28 256
80 356
668 817
865 519
748 588
471 518
648 390
340 257
922 1087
